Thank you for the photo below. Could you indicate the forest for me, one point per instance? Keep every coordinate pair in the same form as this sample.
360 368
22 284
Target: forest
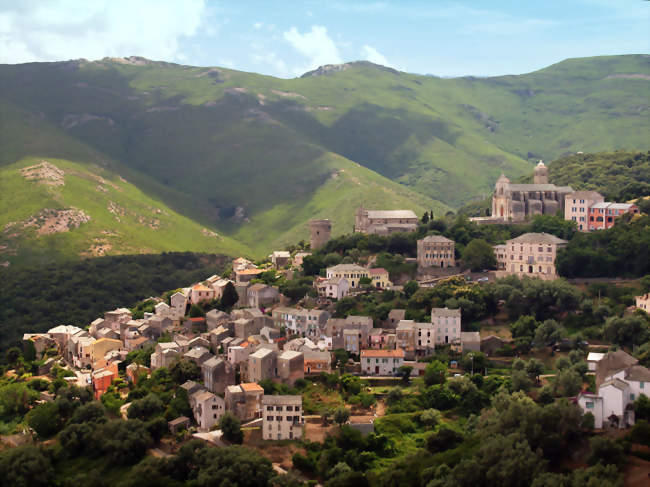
77 292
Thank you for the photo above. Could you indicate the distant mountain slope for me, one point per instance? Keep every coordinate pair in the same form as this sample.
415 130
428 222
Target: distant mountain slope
257 156
55 209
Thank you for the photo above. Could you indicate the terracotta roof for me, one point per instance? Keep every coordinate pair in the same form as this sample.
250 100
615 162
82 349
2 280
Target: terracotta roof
437 238
200 287
198 319
537 238
249 271
383 353
251 387
377 271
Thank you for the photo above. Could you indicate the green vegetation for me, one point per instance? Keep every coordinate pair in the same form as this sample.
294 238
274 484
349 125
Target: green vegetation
315 146
123 219
38 298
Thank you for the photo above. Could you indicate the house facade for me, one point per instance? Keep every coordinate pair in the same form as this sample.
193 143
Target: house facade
380 278
384 222
643 302
576 207
381 362
352 272
334 288
207 408
533 255
436 251
603 215
447 325
282 417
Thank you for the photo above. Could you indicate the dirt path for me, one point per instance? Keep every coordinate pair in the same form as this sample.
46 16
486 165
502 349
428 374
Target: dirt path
637 472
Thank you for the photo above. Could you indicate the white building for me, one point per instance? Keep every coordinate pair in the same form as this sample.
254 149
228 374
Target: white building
207 409
643 302
335 287
282 417
447 324
381 362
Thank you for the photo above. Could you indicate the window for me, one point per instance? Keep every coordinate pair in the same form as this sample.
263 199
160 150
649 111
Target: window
269 418
631 396
289 408
278 408
278 418
269 408
641 385
589 405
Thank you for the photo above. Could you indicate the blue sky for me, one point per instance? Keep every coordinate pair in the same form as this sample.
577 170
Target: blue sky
282 38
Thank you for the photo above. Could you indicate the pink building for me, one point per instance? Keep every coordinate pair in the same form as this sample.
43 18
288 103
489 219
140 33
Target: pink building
603 215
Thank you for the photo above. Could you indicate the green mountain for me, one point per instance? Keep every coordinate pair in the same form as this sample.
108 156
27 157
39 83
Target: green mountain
254 157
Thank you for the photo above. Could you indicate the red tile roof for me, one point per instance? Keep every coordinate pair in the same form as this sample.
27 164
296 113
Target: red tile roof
383 353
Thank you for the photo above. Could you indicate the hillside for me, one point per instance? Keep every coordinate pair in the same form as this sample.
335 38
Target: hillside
255 157
51 210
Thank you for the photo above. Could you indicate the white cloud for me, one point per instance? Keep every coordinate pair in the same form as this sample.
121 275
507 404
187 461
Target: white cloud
31 30
316 45
257 25
371 54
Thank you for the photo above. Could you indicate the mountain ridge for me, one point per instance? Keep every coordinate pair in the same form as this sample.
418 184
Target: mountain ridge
248 154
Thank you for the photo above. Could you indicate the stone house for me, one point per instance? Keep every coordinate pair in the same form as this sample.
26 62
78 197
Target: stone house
178 304
384 222
298 258
217 374
447 323
114 318
381 362
244 276
238 354
492 343
533 255
207 408
470 341
244 400
39 343
198 355
280 258
262 365
282 417
317 362
394 317
164 355
307 322
259 295
291 366
200 293
436 251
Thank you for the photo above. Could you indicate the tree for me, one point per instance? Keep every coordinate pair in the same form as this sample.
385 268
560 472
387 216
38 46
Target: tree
145 408
606 451
430 417
548 333
444 439
410 288
405 372
435 373
25 466
341 415
183 370
365 281
229 296
196 311
479 255
642 408
45 419
568 383
425 218
16 398
93 412
520 381
627 330
13 354
534 368
230 427
122 442
524 326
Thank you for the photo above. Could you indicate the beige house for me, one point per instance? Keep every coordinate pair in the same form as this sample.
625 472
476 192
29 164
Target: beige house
102 346
200 293
291 366
436 251
533 255
282 417
500 256
207 408
259 295
381 362
379 277
335 287
244 276
384 222
280 258
352 272
298 258
447 323
576 207
244 400
262 365
643 302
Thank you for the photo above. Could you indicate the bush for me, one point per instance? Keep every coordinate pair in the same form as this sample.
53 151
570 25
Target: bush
45 419
606 451
230 427
25 466
444 439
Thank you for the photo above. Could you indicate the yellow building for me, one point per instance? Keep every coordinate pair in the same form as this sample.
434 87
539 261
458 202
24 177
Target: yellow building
104 345
380 278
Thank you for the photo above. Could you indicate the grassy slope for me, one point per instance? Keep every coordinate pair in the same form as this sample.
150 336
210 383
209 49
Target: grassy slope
131 234
207 140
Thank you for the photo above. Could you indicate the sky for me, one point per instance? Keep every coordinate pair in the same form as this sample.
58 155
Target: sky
286 39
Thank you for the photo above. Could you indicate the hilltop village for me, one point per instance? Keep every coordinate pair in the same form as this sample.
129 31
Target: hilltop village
403 352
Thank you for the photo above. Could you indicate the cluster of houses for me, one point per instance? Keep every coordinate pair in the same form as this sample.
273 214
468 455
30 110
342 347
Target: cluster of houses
620 380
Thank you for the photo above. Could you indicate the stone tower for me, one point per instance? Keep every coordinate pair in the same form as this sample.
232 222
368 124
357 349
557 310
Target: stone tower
320 231
500 198
541 173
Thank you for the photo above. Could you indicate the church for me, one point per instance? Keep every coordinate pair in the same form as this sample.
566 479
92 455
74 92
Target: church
519 202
